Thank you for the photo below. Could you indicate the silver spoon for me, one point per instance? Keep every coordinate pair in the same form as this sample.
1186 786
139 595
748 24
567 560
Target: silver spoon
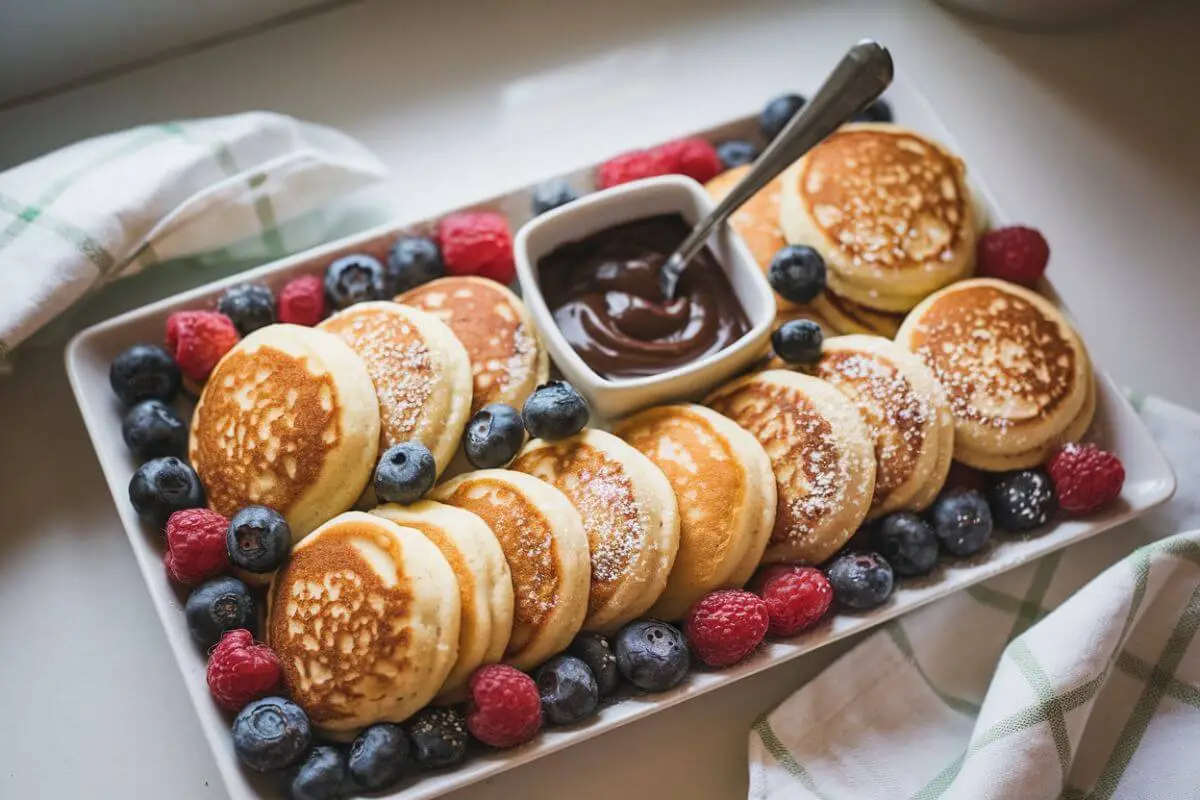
860 77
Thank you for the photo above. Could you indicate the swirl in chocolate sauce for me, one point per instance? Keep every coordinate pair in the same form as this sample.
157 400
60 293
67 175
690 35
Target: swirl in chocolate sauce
603 292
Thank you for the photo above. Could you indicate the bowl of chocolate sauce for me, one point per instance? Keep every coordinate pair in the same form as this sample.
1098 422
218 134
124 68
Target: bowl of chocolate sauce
589 273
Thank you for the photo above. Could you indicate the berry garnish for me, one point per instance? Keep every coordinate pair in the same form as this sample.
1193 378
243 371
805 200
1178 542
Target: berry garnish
405 472
736 152
796 597
878 111
222 604
195 546
198 340
778 113
962 521
725 626
1015 254
1086 478
250 305
555 410
163 486
379 757
907 542
860 580
493 436
241 670
270 734
412 261
632 166
438 736
694 157
357 278
302 301
798 341
568 690
504 708
477 243
152 429
595 651
1022 500
651 654
797 273
322 775
259 539
551 194
144 372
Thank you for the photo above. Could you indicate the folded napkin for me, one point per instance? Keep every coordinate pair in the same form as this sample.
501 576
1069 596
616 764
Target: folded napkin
1077 676
109 207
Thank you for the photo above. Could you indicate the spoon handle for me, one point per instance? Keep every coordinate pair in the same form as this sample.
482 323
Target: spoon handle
860 77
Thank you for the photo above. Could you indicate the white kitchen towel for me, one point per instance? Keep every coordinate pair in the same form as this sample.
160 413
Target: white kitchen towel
112 206
1077 676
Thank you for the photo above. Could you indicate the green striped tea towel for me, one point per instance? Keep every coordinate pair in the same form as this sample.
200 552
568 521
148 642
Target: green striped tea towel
1077 676
112 206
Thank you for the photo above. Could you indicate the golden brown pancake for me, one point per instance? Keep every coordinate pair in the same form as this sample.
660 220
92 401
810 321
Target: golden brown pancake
757 221
848 316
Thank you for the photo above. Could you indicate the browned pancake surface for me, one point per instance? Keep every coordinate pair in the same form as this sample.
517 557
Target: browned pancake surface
758 219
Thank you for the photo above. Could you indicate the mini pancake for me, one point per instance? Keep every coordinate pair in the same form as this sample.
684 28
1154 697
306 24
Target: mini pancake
757 221
364 617
725 490
546 548
628 511
820 451
421 373
485 586
288 419
508 360
847 316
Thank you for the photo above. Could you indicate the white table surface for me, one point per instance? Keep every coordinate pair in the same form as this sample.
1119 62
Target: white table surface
1090 136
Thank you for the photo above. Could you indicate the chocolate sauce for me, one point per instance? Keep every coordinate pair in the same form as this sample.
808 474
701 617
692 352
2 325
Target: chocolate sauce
603 292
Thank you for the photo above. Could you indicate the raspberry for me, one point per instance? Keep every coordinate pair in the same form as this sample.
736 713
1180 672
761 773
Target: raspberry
1085 477
724 627
693 157
302 301
198 339
796 597
196 546
632 166
477 243
240 670
1016 254
504 708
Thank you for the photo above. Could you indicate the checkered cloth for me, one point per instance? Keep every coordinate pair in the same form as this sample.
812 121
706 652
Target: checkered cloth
1077 676
106 208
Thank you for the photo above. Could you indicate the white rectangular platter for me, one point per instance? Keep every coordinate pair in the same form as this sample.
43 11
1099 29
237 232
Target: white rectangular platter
1149 482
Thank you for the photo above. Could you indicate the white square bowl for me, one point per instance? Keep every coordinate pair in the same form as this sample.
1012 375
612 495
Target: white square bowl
669 194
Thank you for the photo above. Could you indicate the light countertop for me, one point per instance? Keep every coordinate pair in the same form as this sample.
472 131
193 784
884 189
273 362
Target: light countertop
1091 136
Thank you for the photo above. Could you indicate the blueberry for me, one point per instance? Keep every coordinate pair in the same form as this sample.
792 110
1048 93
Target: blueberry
797 273
412 261
321 775
907 542
595 651
379 757
860 580
144 372
652 655
405 473
568 689
152 429
162 486
555 411
1023 500
551 194
216 606
258 539
962 521
736 152
878 111
250 305
354 279
493 437
271 733
798 341
438 736
778 113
